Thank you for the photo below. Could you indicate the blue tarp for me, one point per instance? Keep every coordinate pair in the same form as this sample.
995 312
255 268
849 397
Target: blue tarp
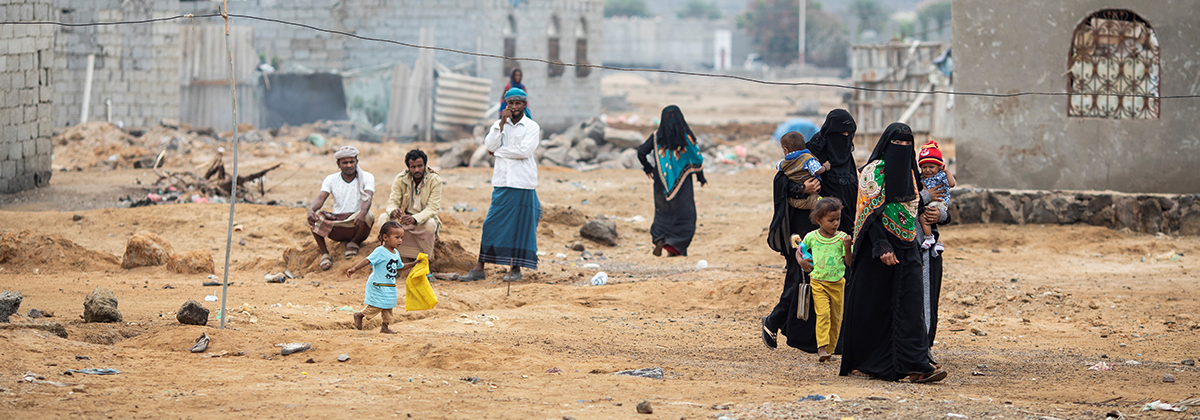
805 127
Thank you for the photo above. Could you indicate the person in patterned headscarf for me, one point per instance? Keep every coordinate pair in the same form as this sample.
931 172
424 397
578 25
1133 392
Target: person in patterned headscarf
885 326
675 158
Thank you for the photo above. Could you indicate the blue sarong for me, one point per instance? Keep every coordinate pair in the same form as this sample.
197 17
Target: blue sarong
510 228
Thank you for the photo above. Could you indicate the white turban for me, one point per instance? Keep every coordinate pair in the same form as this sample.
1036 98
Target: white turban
345 152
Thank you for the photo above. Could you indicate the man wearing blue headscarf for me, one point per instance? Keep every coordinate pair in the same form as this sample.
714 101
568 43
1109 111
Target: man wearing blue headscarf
510 228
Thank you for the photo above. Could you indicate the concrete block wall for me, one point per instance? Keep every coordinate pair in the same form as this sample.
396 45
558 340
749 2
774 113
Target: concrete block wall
136 67
467 25
26 98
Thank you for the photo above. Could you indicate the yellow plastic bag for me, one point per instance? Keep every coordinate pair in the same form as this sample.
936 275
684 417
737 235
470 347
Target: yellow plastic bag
419 295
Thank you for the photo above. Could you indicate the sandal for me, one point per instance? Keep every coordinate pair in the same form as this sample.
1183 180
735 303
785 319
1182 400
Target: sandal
511 276
658 246
326 262
351 250
861 375
472 276
769 336
923 378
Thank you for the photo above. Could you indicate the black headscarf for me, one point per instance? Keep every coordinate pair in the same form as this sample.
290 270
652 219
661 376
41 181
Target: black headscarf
829 145
899 163
673 130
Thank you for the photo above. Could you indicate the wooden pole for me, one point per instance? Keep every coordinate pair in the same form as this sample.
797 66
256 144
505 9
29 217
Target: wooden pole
803 16
87 89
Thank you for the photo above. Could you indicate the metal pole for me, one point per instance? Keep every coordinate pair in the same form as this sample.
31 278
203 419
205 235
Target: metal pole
87 88
232 185
803 13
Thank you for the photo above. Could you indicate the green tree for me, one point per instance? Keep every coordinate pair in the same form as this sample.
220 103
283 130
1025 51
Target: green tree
628 8
870 13
936 11
699 9
906 27
774 26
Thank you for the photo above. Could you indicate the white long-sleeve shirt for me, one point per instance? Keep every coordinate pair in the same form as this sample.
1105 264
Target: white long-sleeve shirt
515 166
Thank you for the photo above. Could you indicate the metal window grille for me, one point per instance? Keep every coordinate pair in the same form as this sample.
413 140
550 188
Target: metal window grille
1114 67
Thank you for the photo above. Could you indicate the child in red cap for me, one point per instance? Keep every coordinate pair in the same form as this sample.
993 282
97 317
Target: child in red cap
935 177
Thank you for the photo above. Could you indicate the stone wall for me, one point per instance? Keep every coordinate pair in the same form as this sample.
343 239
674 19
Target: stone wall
467 25
1146 213
137 66
1008 46
670 43
26 98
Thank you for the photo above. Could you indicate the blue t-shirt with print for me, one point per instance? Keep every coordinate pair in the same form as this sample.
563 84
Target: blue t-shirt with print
381 285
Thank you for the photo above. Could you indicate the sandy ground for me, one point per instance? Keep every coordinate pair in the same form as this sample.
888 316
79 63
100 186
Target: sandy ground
1053 300
1048 301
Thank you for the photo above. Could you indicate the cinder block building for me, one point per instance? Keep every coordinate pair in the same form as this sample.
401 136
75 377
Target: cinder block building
1115 64
26 95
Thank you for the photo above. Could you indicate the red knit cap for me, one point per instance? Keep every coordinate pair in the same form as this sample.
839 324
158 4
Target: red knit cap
930 153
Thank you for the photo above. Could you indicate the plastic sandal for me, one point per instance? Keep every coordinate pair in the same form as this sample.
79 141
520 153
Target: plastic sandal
326 262
925 378
472 276
768 336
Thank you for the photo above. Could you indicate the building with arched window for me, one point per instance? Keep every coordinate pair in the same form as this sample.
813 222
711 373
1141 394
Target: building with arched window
1114 121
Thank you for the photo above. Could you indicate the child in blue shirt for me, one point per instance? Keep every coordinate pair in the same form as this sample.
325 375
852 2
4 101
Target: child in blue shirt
800 166
381 284
935 177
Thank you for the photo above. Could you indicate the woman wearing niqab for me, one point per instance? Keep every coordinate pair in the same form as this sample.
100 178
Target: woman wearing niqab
831 145
884 334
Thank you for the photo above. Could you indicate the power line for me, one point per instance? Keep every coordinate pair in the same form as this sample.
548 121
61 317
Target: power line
596 66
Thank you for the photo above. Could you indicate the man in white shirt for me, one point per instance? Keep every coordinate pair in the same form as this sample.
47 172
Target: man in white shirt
510 228
350 221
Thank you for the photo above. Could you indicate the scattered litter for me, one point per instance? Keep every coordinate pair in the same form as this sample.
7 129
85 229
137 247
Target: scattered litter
39 379
591 266
93 371
1162 406
201 344
561 256
78 357
653 373
275 278
471 379
812 397
210 298
317 140
600 279
344 357
702 264
212 276
1132 362
554 370
209 283
955 416
347 309
290 348
1101 366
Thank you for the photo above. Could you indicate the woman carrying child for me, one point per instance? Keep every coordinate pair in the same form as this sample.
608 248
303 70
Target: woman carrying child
885 331
834 145
794 186
381 284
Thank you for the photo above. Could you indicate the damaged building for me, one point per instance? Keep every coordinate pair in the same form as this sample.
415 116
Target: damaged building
1112 124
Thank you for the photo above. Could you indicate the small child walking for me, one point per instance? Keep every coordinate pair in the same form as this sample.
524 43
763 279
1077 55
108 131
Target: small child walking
830 249
381 284
935 177
800 166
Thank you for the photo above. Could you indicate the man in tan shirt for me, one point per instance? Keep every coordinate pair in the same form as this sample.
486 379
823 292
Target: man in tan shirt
415 201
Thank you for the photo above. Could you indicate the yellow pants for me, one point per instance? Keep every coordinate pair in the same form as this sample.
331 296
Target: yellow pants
827 302
371 311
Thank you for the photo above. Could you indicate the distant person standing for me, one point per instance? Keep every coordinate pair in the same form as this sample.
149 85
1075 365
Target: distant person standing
510 228
514 81
676 157
350 221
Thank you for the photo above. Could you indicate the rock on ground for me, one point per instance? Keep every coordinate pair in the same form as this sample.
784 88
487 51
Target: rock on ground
192 313
101 306
50 327
191 262
603 231
10 302
146 249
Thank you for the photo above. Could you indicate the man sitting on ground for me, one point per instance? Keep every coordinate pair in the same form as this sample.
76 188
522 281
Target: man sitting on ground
351 220
415 201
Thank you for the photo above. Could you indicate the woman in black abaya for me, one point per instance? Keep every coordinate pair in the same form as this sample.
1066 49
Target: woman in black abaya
835 144
884 332
675 156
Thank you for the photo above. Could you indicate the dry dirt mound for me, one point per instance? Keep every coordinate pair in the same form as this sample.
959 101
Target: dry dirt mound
563 215
97 144
27 250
